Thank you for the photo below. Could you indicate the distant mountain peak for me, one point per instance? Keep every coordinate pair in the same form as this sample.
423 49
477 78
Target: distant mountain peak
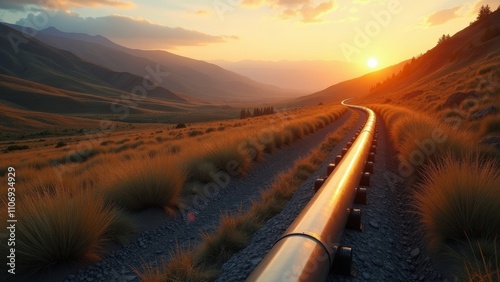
98 39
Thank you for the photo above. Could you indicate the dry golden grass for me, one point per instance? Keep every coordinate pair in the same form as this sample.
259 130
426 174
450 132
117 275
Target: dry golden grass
457 192
183 268
138 185
69 226
458 200
132 169
235 232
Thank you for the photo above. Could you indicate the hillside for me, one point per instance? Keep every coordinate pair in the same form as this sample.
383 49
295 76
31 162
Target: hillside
47 65
307 76
193 78
466 61
347 89
458 64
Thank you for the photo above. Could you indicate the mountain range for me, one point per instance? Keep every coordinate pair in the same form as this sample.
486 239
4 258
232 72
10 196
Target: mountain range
72 78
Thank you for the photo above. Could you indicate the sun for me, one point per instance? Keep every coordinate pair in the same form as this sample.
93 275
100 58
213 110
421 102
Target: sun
372 63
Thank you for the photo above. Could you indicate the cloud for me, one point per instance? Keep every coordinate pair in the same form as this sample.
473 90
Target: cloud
467 10
307 10
22 5
201 12
131 32
443 16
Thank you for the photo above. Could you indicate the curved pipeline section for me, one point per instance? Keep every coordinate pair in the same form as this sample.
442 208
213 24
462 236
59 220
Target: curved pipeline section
306 250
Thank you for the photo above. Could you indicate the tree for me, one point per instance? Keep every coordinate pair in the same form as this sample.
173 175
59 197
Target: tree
483 12
443 39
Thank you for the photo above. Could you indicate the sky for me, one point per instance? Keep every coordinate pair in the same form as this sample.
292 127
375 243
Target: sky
269 30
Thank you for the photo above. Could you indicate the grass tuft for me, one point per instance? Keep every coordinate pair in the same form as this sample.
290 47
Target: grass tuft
67 227
138 185
458 199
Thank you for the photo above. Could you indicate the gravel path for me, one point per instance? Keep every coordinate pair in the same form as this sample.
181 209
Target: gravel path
239 267
388 249
390 246
155 244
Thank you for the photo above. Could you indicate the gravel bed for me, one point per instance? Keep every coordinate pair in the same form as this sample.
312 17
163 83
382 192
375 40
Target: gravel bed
157 243
239 267
390 247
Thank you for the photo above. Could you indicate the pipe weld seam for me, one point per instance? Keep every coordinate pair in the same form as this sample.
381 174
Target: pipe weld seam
325 248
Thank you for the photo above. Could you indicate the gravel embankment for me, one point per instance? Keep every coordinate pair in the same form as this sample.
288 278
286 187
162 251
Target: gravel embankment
239 267
155 244
389 248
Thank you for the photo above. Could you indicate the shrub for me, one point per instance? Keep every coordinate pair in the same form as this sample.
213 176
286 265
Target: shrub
16 148
227 153
60 144
229 238
200 170
138 185
210 129
107 142
296 131
181 267
194 133
67 227
491 125
76 157
122 141
457 200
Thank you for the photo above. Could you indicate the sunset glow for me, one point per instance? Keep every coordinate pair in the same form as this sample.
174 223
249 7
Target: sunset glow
372 63
260 30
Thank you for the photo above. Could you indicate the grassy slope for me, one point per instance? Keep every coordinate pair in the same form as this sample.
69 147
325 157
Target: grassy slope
454 175
133 171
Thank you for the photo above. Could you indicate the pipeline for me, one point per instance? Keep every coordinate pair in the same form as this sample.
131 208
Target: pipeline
309 249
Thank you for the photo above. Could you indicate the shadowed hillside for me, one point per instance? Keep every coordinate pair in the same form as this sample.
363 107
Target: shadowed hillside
193 78
44 64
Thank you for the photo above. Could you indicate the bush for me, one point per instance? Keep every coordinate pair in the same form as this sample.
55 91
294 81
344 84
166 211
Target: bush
16 148
60 144
138 185
194 133
223 154
457 200
296 131
67 227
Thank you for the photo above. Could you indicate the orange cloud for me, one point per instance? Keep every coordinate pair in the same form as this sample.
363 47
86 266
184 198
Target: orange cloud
443 16
63 4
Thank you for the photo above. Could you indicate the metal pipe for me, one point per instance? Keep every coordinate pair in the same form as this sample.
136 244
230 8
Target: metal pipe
306 250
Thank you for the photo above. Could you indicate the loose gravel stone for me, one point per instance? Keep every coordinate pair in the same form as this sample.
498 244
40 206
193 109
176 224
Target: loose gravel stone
415 253
374 224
